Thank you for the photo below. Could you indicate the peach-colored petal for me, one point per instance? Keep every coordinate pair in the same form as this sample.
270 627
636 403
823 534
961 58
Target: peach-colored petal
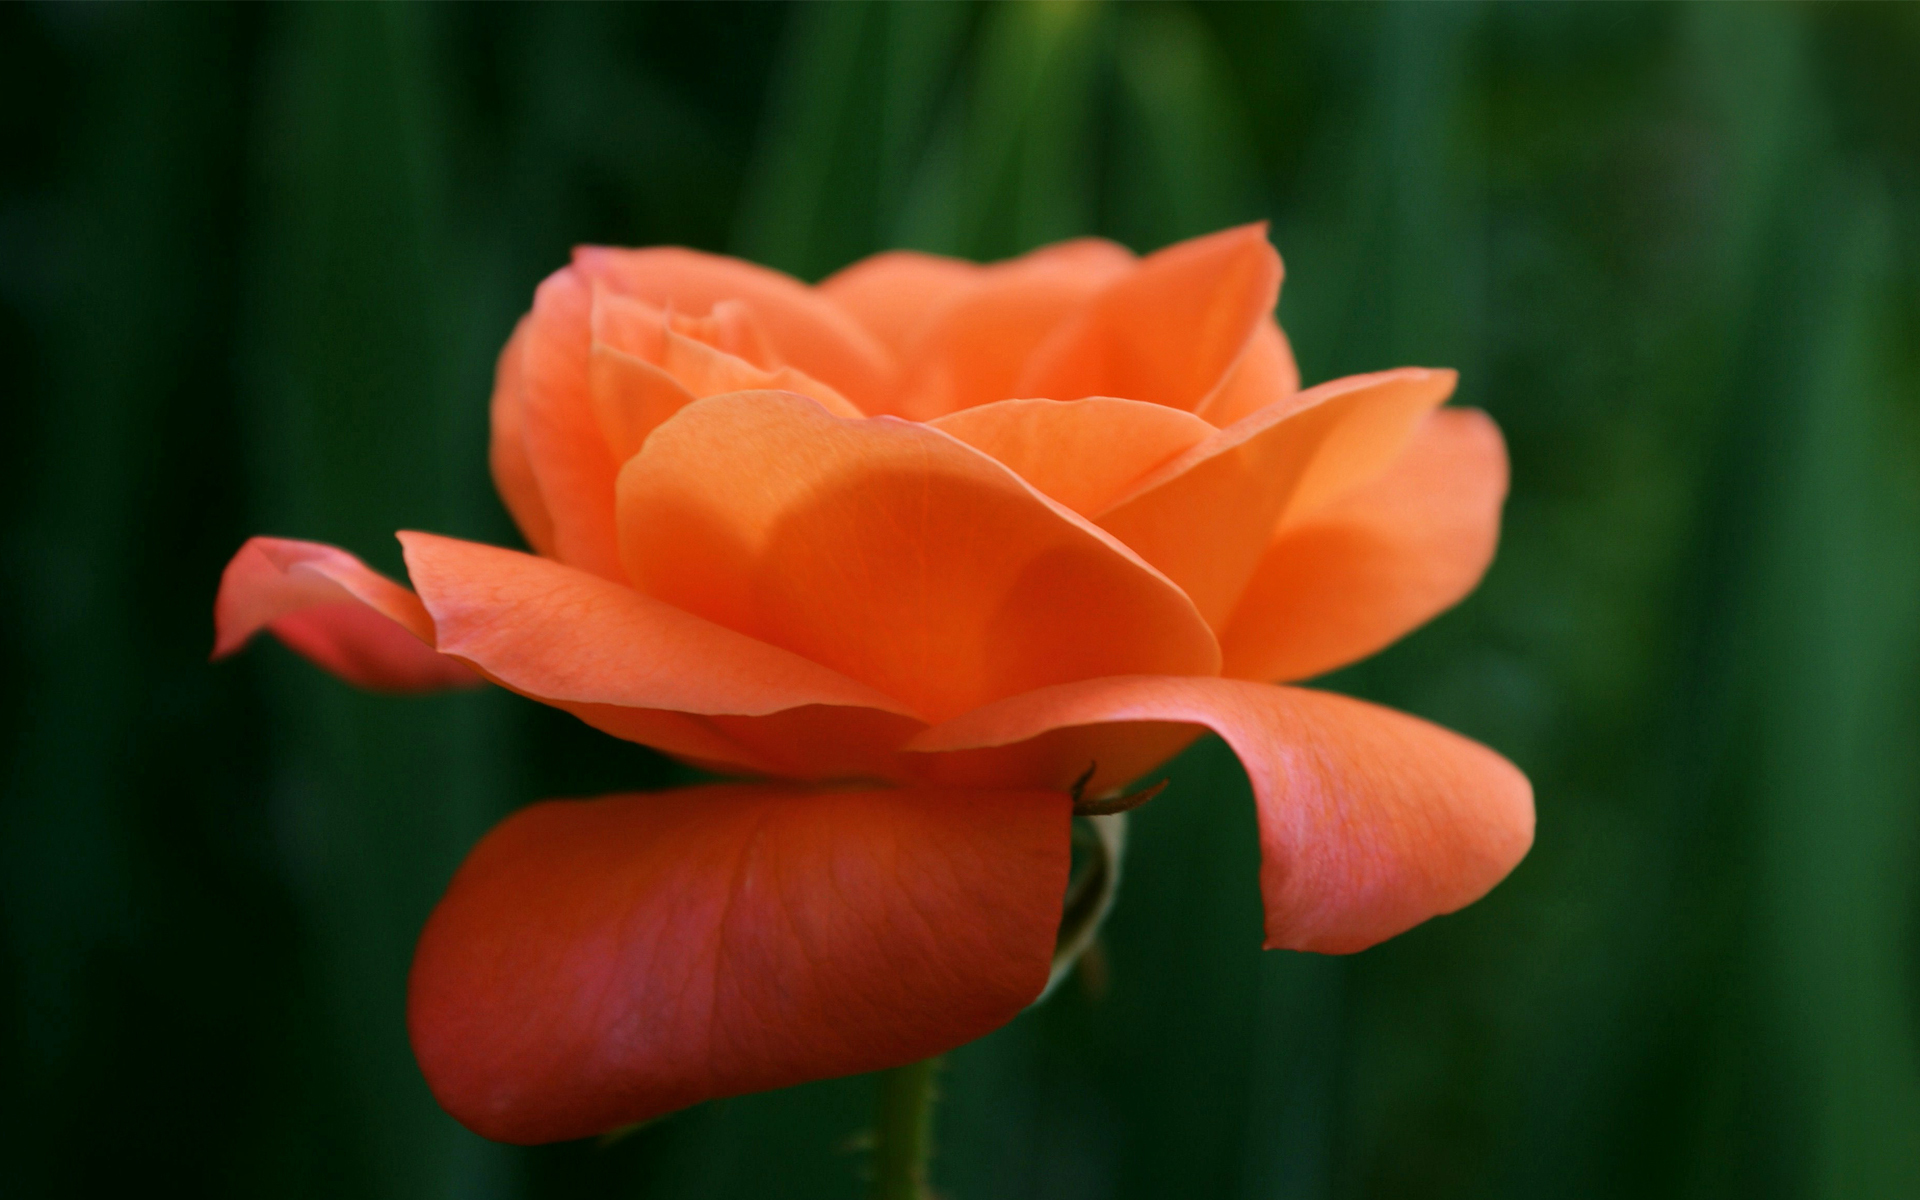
507 453
566 636
566 446
1083 453
973 347
1205 519
643 369
891 293
892 553
1265 375
804 328
334 610
1167 332
1356 575
1371 821
597 963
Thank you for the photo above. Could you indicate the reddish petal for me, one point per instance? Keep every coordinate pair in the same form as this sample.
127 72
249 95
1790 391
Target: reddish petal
336 611
568 637
1265 375
1205 519
603 962
891 553
1167 332
804 328
1371 821
1083 453
1356 575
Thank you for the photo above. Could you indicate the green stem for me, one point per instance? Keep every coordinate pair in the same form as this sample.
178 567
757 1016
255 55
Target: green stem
903 1132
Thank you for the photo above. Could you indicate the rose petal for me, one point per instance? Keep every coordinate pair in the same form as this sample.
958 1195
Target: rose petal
1265 375
603 962
1167 332
972 348
1206 518
1356 575
1371 821
642 371
566 636
335 611
891 293
804 328
1083 453
507 453
891 553
566 445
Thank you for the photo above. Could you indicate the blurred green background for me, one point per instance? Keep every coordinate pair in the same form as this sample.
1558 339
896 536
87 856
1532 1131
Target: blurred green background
255 264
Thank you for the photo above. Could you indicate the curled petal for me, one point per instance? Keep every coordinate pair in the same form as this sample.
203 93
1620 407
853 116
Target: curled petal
1371 821
1206 517
566 636
804 328
1356 575
603 962
1083 453
334 610
891 553
1168 331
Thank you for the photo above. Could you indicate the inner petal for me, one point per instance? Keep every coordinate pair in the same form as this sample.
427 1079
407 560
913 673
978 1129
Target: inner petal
893 553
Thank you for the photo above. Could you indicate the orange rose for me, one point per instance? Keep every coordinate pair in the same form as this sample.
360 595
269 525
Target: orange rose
914 549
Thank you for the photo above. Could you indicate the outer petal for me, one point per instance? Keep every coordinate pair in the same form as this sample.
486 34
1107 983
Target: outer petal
972 348
1356 575
602 962
566 636
1083 453
1169 331
507 453
805 328
1206 518
892 553
891 293
1371 821
334 610
566 445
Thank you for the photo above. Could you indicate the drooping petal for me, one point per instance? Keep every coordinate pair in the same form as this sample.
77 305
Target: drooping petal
891 553
507 452
1265 375
603 962
1206 518
891 293
1358 574
973 347
1167 332
334 610
1371 821
1083 453
805 329
566 636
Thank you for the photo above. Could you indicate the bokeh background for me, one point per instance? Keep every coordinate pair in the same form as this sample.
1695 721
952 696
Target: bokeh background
255 264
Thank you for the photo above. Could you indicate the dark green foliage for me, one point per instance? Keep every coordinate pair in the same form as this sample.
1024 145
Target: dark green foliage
254 267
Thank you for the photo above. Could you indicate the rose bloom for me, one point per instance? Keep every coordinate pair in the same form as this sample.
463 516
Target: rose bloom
912 551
